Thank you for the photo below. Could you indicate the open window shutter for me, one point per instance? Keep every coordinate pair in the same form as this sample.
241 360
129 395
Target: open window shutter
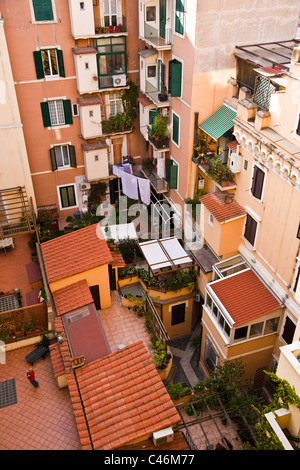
38 61
175 71
298 128
175 132
171 173
45 114
53 159
257 182
250 229
72 156
68 111
42 10
179 17
60 60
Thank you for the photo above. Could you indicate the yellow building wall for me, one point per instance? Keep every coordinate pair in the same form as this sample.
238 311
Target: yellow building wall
182 328
96 276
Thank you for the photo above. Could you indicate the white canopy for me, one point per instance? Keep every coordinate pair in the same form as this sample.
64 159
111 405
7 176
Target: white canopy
119 232
163 253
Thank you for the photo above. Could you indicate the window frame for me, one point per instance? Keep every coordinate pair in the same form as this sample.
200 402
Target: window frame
73 185
115 102
46 115
110 15
71 157
180 314
111 53
40 66
256 221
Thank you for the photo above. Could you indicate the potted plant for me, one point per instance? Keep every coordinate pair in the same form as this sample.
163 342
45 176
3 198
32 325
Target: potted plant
159 131
163 95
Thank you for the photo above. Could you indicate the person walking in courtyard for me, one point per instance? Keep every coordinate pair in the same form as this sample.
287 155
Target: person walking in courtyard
31 378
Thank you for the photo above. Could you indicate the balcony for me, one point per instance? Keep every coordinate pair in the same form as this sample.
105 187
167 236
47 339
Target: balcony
159 184
104 27
211 165
155 24
159 134
153 38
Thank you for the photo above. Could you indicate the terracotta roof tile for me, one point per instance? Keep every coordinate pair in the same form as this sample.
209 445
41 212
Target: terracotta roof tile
71 297
245 297
233 145
109 402
75 252
222 209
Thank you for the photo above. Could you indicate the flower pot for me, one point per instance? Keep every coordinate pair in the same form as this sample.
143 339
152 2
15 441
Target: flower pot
19 334
33 333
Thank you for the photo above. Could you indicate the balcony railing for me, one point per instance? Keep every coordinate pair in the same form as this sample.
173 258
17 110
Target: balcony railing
111 25
159 184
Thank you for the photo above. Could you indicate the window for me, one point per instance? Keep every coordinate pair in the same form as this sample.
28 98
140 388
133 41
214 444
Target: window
81 5
179 17
298 232
257 182
56 113
240 333
175 76
151 71
110 12
175 129
288 330
178 314
271 325
172 173
245 166
49 63
150 14
210 356
67 196
75 109
111 59
296 278
210 219
256 329
43 10
115 104
62 156
250 229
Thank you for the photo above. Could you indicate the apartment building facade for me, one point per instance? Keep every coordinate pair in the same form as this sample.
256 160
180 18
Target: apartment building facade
186 50
264 157
17 197
69 75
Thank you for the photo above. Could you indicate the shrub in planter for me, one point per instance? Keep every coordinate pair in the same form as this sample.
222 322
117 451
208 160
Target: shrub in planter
177 390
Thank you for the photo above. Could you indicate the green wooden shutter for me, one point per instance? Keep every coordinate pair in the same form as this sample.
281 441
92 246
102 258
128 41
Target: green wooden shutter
53 159
68 111
171 173
42 10
179 17
60 60
72 155
175 72
175 131
38 61
45 114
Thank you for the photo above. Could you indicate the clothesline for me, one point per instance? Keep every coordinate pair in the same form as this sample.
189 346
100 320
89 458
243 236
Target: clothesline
133 186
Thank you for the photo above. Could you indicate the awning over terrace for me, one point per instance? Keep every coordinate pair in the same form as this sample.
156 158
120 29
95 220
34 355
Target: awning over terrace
219 122
165 253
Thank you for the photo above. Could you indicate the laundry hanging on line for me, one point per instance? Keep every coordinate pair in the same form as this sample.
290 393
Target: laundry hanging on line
133 186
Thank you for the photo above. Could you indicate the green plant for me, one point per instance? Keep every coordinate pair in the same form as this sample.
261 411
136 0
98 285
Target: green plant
159 127
129 98
177 390
160 354
119 123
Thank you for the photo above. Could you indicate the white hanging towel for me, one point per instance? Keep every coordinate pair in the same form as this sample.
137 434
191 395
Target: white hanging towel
129 185
117 171
144 187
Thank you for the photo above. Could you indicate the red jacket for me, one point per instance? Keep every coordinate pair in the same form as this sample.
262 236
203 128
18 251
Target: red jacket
31 376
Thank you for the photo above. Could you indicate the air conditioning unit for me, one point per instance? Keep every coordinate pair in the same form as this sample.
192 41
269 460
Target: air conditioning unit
201 184
197 298
84 186
119 80
163 436
165 111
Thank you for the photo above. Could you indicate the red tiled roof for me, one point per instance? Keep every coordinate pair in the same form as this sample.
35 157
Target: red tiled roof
71 297
233 145
245 297
221 208
276 70
57 360
118 260
123 397
75 252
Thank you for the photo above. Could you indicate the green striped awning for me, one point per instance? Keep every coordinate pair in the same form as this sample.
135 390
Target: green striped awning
219 122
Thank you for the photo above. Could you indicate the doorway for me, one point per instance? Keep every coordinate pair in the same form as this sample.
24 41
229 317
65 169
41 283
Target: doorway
96 296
